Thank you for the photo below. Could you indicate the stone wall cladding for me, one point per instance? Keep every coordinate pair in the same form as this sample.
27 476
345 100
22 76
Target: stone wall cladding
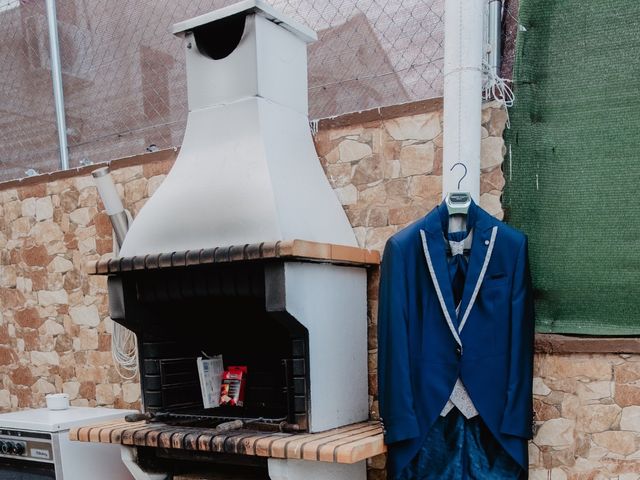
387 172
587 412
54 324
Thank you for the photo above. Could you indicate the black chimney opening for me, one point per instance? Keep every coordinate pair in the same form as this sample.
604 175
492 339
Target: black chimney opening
217 40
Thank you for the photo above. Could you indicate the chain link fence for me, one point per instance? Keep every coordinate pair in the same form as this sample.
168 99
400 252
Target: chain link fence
124 79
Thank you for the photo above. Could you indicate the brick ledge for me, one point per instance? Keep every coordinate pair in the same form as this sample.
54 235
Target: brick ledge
560 344
293 249
348 444
140 159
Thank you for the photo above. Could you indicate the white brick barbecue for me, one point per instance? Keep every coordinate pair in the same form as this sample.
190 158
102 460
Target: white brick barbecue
248 173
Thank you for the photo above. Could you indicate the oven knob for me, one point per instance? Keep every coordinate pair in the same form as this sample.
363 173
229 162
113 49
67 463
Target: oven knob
4 447
19 448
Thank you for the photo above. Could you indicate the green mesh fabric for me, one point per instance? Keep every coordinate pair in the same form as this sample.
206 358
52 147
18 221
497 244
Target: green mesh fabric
573 179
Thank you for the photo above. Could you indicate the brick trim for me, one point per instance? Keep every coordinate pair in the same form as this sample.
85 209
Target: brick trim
382 113
348 444
168 154
564 344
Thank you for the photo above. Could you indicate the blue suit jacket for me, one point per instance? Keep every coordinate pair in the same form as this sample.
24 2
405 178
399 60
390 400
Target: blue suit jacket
423 346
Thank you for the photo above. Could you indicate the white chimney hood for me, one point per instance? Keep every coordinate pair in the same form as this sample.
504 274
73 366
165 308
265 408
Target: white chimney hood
247 171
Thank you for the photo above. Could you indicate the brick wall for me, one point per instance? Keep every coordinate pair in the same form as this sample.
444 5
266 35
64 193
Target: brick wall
386 167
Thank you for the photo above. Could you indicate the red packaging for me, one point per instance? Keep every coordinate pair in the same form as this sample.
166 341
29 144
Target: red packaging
234 380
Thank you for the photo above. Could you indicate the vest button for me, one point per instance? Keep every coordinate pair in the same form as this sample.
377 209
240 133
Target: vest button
458 351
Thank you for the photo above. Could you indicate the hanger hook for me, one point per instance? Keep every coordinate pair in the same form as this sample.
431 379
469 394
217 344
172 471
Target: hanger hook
465 172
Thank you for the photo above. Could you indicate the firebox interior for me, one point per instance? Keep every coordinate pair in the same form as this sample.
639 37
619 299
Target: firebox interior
182 314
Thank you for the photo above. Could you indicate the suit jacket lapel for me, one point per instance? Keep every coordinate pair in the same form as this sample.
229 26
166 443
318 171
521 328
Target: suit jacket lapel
436 258
484 237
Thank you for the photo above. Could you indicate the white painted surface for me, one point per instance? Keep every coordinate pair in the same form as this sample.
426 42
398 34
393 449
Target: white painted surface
129 458
463 53
258 6
247 171
44 420
309 470
331 302
269 61
91 461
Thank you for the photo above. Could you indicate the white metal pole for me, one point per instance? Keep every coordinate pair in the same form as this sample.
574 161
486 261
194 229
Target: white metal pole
56 76
494 31
463 53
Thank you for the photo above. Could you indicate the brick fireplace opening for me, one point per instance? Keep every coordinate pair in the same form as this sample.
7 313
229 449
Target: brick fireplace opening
293 312
231 310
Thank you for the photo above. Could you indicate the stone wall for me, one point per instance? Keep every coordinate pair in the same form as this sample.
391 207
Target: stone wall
587 409
54 324
387 172
386 167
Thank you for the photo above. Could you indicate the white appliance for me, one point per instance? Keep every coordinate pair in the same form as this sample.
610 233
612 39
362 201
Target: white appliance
34 445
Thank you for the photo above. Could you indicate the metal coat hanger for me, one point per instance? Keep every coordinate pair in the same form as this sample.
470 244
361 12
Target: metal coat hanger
458 202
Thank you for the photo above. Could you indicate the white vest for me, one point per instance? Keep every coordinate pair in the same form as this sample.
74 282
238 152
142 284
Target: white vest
459 396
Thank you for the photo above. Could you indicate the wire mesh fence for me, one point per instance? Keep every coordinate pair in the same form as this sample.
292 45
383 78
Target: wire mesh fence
124 79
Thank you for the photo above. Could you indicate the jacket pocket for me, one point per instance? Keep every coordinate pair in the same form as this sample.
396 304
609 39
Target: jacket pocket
495 280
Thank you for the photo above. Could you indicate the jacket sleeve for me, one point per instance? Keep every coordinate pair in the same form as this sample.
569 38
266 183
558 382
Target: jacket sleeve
518 413
394 381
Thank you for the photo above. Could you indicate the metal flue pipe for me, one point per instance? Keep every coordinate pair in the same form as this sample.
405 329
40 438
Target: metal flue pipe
112 203
494 33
